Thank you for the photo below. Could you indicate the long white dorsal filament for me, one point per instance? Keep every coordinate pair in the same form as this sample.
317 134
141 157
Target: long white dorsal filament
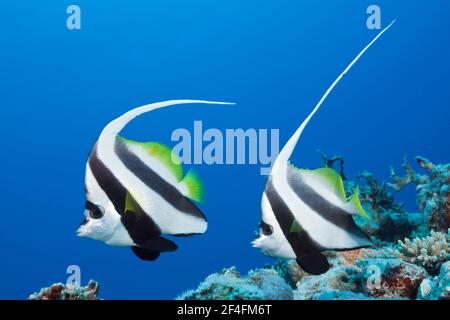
287 150
110 132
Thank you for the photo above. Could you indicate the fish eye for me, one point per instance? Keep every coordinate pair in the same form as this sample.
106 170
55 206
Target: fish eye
266 229
95 211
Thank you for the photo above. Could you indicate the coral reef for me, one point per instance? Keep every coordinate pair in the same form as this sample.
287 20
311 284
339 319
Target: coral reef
261 284
433 191
437 288
59 291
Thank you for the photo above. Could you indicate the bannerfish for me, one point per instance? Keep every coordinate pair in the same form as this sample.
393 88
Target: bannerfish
136 192
306 212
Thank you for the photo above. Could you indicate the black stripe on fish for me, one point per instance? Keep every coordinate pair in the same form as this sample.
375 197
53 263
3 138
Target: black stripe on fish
301 242
307 251
140 226
322 206
155 182
115 191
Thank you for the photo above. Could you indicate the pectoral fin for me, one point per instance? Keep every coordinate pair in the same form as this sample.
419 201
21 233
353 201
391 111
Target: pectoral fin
145 254
314 263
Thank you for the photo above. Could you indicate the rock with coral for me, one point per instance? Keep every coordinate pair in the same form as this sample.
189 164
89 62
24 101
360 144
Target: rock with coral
437 288
337 279
349 258
433 191
390 278
59 291
260 284
289 270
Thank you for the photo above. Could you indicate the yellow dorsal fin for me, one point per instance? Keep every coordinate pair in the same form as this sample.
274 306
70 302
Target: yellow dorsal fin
190 185
328 178
334 179
163 154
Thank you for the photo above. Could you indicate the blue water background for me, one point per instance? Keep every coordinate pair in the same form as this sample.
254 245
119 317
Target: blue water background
59 88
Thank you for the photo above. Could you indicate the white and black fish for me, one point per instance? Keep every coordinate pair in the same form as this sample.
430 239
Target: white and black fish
136 192
305 212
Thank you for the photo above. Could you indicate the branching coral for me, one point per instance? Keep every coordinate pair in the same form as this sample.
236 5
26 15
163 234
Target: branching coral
433 190
59 291
429 252
375 195
261 284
